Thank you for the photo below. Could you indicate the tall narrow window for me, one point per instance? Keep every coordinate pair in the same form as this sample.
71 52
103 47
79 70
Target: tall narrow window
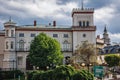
12 33
7 45
12 43
20 60
87 23
21 45
83 23
66 46
7 33
80 24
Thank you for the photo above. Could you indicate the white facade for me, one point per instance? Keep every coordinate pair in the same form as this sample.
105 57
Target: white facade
18 38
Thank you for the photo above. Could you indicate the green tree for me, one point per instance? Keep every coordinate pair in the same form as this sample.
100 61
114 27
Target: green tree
45 51
112 60
85 53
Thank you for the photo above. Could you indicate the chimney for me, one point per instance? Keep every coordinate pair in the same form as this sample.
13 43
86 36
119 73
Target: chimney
98 36
35 22
54 23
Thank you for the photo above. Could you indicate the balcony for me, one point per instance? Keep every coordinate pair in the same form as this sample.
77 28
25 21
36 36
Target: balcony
22 49
66 50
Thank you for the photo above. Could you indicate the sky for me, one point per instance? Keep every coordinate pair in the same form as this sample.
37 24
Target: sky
24 12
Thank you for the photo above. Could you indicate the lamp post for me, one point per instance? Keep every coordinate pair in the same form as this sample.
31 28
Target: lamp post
13 67
13 63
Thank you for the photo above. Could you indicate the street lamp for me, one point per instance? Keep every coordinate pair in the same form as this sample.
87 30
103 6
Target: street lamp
83 64
47 67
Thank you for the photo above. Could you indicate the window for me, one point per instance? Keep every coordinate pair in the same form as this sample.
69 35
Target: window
21 35
66 46
32 35
21 45
12 33
7 32
55 35
80 24
87 23
83 23
12 43
84 35
65 35
6 45
20 60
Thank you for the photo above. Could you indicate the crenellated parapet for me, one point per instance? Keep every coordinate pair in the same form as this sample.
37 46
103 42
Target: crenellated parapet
82 10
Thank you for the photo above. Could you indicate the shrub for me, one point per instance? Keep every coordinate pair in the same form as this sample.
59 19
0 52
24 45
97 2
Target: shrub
11 74
61 73
83 75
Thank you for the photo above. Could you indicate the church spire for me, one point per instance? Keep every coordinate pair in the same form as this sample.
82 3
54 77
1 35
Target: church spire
105 30
10 19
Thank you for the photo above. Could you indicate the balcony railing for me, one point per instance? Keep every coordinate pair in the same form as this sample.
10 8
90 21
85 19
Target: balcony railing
22 49
27 50
66 50
84 28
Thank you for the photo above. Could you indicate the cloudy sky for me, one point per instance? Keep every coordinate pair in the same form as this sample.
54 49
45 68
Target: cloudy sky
24 12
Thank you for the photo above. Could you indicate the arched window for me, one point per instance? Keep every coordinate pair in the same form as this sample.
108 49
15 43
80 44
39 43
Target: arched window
83 23
12 33
12 44
87 23
66 46
21 45
7 45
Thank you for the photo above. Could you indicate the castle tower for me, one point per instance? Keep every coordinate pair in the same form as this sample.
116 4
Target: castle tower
106 37
9 56
83 26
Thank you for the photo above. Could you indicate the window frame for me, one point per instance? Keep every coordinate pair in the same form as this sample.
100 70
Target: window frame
55 35
32 35
21 35
65 35
12 45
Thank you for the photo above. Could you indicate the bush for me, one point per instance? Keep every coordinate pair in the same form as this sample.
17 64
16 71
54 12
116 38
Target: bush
11 74
61 73
83 75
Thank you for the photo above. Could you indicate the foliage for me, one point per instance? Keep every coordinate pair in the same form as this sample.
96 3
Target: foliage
61 73
112 60
84 53
83 75
64 73
45 51
10 74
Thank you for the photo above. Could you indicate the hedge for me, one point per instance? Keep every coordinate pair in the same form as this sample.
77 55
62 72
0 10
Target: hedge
10 74
61 73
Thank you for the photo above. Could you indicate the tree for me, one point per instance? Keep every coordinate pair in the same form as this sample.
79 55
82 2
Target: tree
85 53
45 51
112 60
